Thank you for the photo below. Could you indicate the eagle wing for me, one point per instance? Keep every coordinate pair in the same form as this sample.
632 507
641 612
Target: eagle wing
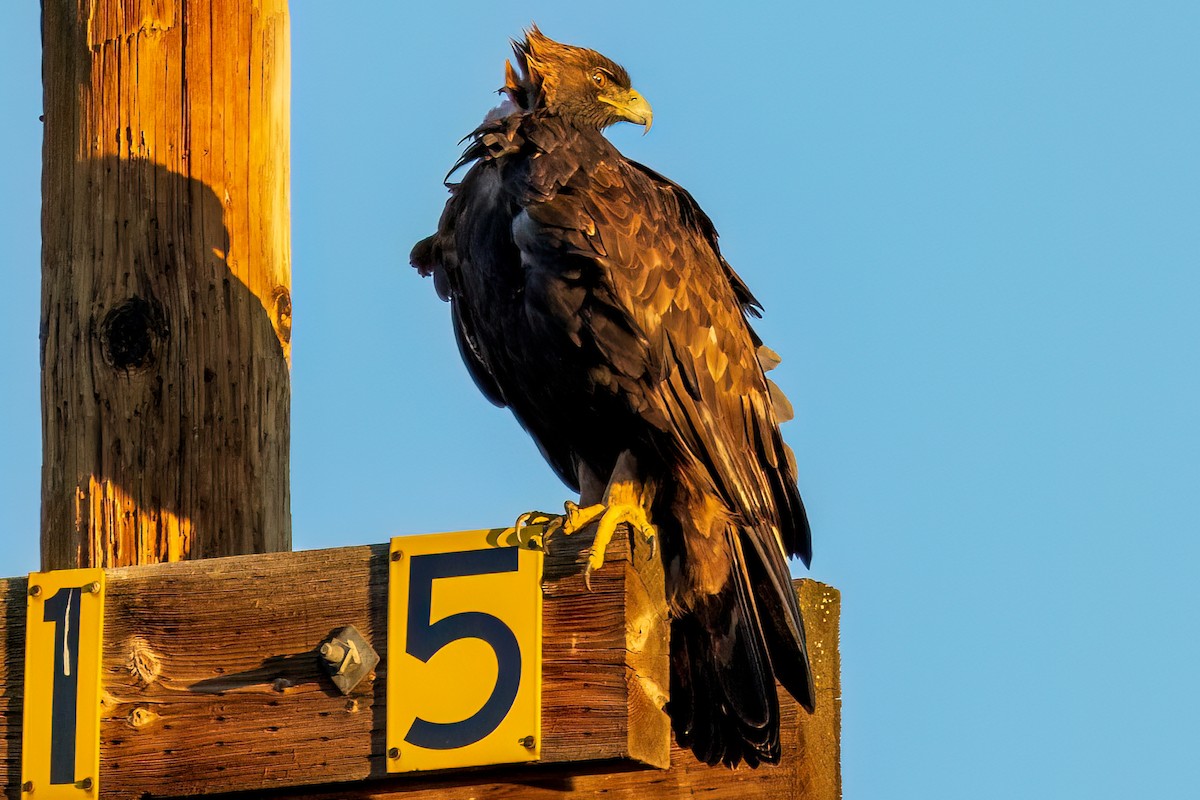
668 314
472 258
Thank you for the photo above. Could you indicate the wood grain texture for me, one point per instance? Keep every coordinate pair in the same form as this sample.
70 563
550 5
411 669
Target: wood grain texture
166 275
212 683
810 769
597 648
212 679
648 660
12 682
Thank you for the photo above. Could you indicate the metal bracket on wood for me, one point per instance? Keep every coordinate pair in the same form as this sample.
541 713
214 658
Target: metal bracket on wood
348 657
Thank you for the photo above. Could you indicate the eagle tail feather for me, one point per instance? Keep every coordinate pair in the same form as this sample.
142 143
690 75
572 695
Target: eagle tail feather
724 705
779 614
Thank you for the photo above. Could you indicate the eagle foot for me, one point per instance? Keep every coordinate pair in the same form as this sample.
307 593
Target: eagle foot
610 515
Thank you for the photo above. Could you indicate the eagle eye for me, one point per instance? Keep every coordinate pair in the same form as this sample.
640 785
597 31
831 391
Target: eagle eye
599 78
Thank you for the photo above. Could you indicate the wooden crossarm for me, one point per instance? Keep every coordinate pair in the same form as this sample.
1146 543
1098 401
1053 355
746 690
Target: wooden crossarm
212 683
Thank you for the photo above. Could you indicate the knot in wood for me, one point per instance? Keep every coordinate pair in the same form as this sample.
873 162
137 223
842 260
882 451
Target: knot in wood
131 334
143 664
141 717
283 314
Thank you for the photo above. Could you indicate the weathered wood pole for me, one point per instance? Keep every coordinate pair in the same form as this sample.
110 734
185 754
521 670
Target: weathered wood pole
166 280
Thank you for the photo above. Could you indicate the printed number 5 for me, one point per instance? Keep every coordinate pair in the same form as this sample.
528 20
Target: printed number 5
426 638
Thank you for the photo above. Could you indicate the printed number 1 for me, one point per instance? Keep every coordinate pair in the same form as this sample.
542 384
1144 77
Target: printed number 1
426 638
63 609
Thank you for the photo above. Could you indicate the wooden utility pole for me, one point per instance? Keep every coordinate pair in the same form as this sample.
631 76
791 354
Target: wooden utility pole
166 280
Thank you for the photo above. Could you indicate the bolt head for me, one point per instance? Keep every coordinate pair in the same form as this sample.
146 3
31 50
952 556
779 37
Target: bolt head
35 591
393 753
86 784
397 555
94 587
528 742
27 786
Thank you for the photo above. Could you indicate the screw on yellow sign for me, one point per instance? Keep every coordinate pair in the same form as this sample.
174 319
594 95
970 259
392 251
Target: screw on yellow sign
464 651
60 753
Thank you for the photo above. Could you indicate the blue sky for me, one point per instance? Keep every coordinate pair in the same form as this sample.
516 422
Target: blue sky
976 231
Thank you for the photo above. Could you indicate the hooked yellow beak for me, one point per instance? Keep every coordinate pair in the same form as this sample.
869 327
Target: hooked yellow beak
633 108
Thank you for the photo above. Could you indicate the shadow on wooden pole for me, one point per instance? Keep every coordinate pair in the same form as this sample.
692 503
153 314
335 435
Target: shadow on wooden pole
166 281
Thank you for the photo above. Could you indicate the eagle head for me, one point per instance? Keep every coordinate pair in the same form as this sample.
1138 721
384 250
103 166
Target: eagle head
573 82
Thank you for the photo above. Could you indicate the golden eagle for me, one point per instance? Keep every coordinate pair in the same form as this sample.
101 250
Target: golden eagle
588 294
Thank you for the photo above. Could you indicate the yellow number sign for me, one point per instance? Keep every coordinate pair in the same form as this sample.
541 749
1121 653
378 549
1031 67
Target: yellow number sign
60 754
464 651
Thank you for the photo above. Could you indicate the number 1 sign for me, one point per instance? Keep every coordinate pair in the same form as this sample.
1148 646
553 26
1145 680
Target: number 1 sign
61 731
464 651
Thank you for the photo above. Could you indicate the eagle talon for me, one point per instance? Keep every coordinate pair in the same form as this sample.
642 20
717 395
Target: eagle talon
650 538
549 523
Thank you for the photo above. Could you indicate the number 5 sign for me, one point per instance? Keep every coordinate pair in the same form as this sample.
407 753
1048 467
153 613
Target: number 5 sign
61 730
464 651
